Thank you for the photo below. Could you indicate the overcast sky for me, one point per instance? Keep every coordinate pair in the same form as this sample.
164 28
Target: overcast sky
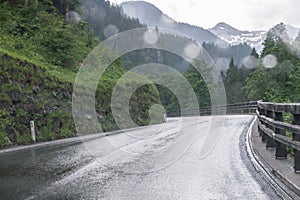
242 14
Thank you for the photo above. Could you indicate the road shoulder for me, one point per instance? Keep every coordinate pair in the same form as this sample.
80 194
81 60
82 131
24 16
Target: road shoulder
280 172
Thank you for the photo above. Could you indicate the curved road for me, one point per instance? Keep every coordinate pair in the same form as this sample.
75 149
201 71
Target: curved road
155 162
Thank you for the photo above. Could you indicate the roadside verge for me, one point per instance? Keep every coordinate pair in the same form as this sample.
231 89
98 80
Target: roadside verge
73 140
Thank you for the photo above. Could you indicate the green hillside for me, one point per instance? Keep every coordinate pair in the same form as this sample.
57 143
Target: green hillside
40 53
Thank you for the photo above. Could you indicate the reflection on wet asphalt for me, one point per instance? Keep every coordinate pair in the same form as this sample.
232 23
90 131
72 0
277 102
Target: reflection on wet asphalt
148 163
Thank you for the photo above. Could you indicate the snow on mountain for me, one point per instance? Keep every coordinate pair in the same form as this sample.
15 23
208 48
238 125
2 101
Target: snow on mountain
234 36
286 32
255 39
292 31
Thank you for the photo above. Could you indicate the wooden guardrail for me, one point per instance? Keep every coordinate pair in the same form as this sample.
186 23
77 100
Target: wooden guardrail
237 108
273 130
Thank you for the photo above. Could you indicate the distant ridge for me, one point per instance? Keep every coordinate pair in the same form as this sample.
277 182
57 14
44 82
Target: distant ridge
151 16
234 36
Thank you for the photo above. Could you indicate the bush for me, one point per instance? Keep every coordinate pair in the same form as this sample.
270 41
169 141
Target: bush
4 140
22 133
25 138
45 134
6 122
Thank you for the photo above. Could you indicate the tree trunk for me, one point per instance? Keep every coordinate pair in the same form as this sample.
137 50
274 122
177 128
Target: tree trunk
67 7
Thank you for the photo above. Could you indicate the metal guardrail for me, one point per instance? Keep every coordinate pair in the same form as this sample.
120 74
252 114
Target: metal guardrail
271 127
237 108
273 130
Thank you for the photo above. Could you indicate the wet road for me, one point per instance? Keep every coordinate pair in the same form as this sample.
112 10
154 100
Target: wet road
156 162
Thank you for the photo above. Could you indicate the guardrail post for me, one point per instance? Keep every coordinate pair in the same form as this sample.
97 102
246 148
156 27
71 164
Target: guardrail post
263 136
248 108
296 137
260 113
270 141
280 148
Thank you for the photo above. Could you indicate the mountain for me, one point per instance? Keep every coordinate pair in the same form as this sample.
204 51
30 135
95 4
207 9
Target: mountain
234 36
238 43
255 39
222 55
286 32
151 16
106 19
292 31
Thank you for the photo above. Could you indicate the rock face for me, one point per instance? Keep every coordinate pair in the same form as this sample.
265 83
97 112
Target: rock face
30 92
27 93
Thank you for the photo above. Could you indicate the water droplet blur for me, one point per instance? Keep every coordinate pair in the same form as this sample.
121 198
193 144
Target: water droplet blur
192 50
129 10
222 44
269 61
151 37
73 17
222 63
110 30
250 62
156 113
166 21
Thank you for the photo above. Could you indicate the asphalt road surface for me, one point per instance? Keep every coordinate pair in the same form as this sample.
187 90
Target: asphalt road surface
154 162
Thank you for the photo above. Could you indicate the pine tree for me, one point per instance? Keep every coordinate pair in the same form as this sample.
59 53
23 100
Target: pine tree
233 84
280 83
254 53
